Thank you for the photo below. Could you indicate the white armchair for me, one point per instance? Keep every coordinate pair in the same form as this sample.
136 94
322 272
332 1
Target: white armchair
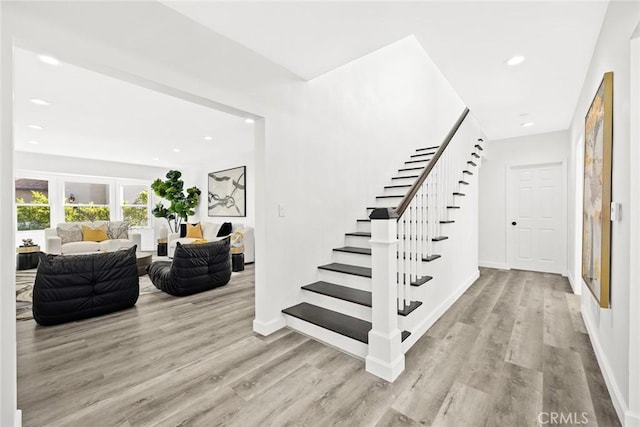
210 233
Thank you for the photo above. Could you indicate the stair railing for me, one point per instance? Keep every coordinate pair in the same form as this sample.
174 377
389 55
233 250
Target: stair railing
424 207
402 238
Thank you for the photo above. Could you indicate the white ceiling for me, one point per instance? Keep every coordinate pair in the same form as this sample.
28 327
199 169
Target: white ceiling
98 117
468 41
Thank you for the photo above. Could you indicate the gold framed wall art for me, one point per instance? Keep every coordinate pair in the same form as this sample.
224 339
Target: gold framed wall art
596 225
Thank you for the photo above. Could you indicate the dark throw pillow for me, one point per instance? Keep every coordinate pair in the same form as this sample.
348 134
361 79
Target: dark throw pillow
225 229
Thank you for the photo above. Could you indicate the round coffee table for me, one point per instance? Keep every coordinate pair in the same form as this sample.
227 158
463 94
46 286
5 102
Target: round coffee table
143 259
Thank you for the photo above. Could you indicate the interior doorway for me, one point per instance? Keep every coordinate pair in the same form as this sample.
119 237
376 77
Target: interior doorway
535 217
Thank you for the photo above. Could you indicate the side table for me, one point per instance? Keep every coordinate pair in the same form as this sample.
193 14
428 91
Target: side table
162 248
237 262
27 257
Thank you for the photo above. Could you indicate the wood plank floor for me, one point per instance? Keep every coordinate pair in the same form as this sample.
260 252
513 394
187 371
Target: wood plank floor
514 345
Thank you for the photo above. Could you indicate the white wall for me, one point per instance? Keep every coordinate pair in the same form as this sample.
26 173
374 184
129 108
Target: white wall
610 328
528 150
8 396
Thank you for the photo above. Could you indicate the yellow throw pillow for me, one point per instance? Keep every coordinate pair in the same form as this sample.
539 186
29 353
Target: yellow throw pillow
194 231
198 242
98 234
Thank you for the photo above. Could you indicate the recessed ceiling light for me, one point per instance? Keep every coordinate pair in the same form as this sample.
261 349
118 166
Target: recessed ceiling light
515 60
39 101
33 142
176 150
249 120
48 59
208 138
36 127
527 124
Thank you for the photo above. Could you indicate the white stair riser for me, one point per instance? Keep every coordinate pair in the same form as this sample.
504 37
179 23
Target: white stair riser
336 304
403 181
357 241
388 202
350 280
352 259
412 172
348 345
363 226
401 191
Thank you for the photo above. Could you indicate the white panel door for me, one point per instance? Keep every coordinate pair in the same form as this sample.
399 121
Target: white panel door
534 215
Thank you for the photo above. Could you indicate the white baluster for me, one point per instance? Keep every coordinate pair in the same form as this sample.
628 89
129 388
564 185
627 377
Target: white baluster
401 255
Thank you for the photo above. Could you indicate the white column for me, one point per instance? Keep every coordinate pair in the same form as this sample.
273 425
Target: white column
385 358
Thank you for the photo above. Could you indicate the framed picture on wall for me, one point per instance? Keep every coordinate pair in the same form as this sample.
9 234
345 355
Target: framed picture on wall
596 225
227 192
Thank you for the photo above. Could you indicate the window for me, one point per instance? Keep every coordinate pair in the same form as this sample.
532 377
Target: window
32 204
135 205
85 201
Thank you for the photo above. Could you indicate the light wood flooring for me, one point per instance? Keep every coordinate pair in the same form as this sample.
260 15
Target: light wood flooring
512 346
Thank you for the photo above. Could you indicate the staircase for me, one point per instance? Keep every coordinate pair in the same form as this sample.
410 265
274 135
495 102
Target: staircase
419 206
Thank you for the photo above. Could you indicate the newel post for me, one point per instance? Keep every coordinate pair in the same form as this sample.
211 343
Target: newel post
385 358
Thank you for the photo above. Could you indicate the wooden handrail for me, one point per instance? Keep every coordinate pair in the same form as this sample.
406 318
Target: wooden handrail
404 203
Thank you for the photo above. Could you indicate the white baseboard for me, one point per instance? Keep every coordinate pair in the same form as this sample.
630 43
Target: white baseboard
267 328
491 264
18 419
607 372
575 287
631 419
428 322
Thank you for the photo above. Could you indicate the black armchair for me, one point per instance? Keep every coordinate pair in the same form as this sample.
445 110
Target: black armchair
195 268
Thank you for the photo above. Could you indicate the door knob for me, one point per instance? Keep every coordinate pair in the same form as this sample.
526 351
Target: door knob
514 223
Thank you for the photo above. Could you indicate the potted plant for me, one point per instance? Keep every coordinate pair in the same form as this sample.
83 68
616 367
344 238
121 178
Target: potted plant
181 205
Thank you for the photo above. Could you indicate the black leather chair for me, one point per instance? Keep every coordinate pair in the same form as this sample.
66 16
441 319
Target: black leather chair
195 268
73 287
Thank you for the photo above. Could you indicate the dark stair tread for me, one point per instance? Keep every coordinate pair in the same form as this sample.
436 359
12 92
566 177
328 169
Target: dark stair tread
363 220
409 308
463 182
459 194
354 250
360 233
416 161
399 186
342 324
468 172
440 238
453 207
479 147
431 257
471 163
405 177
423 154
355 296
388 197
347 269
428 148
449 221
420 281
410 169
476 155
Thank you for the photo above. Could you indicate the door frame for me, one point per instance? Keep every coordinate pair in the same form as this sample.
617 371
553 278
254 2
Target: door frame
509 241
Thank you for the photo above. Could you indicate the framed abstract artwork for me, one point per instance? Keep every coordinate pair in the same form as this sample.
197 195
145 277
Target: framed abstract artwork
227 192
596 224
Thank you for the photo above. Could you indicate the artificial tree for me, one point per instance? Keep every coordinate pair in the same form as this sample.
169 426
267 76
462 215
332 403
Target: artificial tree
181 205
